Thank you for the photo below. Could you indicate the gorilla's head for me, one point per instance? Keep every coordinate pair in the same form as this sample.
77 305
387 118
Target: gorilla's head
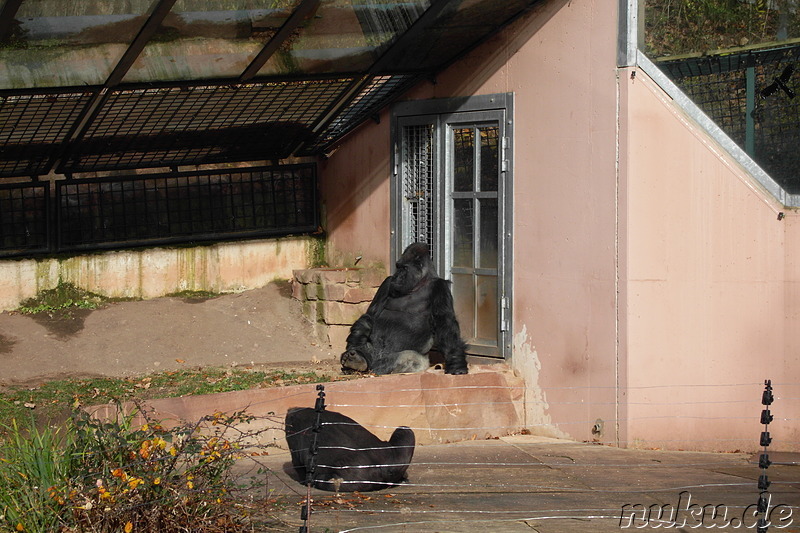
412 269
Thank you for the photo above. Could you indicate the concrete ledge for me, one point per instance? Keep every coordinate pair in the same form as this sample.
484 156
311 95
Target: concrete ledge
440 408
154 272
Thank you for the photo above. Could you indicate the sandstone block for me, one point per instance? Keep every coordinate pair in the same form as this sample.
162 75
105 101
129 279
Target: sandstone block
342 313
333 291
311 291
332 275
298 290
337 337
356 295
372 277
312 310
309 275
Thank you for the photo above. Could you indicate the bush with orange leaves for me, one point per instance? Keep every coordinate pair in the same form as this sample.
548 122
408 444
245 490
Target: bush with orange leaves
147 479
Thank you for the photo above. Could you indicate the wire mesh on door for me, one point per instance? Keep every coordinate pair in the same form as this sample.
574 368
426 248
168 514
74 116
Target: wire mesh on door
417 167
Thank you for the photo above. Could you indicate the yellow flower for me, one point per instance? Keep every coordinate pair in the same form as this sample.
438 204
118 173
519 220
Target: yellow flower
144 451
157 481
20 527
173 451
135 482
128 527
145 428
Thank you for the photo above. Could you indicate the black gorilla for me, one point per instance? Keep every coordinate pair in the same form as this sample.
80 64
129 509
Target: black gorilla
411 312
349 458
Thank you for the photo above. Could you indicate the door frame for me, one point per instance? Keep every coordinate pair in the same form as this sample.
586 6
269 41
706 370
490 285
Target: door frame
441 112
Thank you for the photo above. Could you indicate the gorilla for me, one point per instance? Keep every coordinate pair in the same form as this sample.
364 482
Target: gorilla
349 458
411 313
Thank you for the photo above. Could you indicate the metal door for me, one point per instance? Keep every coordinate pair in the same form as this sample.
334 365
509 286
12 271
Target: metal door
453 192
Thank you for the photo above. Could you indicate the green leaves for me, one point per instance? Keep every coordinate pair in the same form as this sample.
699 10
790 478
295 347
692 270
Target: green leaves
63 296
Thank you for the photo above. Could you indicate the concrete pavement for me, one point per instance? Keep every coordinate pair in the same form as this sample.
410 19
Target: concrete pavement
527 483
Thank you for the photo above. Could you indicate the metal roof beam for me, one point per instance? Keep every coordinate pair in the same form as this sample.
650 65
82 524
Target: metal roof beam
414 34
304 11
7 15
157 16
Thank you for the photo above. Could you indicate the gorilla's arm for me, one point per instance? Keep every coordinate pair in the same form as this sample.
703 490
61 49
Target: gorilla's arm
360 331
446 332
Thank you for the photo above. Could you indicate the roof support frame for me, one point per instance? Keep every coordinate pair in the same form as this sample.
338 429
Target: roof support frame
158 13
7 15
301 13
386 58
413 34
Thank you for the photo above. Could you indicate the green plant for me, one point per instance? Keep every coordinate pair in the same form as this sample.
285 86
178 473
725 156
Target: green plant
31 463
194 295
154 479
63 296
127 474
700 26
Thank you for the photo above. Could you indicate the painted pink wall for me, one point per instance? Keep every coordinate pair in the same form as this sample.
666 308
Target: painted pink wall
354 185
706 287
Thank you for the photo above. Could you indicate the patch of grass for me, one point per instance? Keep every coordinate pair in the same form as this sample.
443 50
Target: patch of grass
193 295
50 399
63 296
30 463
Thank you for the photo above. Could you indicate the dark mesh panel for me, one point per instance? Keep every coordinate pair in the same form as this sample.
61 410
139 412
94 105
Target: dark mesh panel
718 85
24 220
135 210
171 126
33 128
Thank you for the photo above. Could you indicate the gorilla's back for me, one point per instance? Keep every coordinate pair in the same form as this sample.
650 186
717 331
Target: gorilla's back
349 457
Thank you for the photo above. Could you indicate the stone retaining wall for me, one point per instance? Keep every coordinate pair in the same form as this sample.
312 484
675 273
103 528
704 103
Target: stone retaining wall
484 404
334 298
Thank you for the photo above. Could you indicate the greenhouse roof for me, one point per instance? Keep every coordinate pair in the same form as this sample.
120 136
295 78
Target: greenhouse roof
111 84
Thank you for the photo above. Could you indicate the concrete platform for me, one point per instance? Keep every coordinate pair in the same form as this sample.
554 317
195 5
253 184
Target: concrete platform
526 483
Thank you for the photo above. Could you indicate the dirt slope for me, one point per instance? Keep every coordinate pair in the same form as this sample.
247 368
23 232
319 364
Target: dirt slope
261 327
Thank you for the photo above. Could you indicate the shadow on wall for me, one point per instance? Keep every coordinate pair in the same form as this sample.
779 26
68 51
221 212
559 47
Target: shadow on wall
357 174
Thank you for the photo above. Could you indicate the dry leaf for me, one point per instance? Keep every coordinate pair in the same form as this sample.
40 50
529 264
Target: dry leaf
180 360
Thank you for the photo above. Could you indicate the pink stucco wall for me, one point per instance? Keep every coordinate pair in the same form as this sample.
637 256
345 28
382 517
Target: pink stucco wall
654 286
706 285
354 184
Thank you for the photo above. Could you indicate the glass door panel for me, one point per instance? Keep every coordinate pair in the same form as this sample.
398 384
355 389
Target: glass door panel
475 162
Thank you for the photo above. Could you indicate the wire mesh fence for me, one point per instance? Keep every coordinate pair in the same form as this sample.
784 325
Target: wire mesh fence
24 217
751 96
127 211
